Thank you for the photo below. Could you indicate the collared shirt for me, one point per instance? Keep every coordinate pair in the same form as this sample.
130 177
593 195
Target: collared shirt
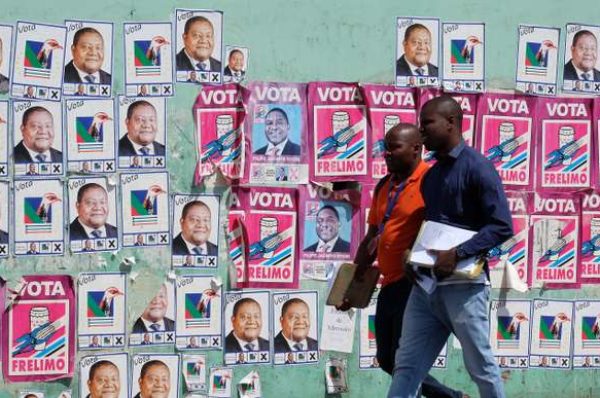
463 189
161 325
413 68
291 343
580 73
279 147
33 154
89 230
194 62
138 147
322 244
190 246
83 74
243 343
403 226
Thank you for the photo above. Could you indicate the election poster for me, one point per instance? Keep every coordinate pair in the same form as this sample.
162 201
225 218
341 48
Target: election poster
193 367
198 313
237 59
387 106
156 324
367 353
147 369
88 59
148 56
278 129
220 382
90 131
537 60
39 213
581 70
589 250
219 114
417 52
463 49
39 55
237 241
5 214
510 323
551 334
586 334
506 136
4 138
101 310
104 375
39 330
145 209
6 42
339 140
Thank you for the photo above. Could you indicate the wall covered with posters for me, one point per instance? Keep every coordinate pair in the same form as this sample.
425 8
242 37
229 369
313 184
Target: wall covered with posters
115 278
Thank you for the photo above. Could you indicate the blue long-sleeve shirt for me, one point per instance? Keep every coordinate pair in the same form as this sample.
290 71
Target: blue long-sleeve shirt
464 190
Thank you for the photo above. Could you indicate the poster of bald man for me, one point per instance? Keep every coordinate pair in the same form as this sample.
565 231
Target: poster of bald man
537 60
4 218
38 139
463 55
195 231
6 39
88 59
145 209
4 121
295 327
142 133
90 125
236 58
581 71
104 376
246 328
156 324
39 207
199 40
39 53
92 215
101 310
417 59
198 309
154 376
148 59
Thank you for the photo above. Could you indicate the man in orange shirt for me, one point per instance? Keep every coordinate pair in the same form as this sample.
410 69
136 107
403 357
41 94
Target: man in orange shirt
396 214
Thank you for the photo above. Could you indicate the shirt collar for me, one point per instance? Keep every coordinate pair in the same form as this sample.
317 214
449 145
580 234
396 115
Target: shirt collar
83 74
413 68
454 153
137 147
330 244
191 246
243 343
421 168
581 72
195 62
279 146
33 154
161 324
89 230
291 343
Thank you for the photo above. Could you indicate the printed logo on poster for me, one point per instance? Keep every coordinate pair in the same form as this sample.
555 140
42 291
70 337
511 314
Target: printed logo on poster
508 332
536 57
37 62
100 307
514 249
554 246
147 56
90 132
590 248
37 214
590 332
506 142
371 332
463 53
272 239
144 205
198 309
220 383
551 330
220 139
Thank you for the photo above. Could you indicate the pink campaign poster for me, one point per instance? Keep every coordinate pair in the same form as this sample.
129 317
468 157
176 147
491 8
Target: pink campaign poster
237 239
554 237
339 140
270 225
596 141
277 133
516 249
590 237
330 225
564 155
468 104
39 330
505 135
387 106
219 114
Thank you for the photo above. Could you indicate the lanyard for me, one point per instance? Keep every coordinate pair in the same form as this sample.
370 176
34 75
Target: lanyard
391 203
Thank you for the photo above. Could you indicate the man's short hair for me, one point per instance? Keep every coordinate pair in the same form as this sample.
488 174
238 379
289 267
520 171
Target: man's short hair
149 364
27 114
98 365
83 31
137 104
280 111
87 187
333 209
239 303
188 206
412 28
291 301
193 20
581 33
235 50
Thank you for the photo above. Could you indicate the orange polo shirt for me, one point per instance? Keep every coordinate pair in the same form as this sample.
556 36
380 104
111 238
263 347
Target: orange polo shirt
403 226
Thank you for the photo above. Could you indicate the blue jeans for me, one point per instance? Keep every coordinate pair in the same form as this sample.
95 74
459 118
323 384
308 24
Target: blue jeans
461 309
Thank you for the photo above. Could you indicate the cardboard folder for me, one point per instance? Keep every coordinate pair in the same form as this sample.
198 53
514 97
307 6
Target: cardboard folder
357 291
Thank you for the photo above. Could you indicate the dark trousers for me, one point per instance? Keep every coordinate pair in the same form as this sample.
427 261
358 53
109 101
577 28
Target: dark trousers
391 304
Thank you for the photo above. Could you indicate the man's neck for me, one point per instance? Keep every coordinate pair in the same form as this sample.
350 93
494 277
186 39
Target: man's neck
454 141
404 174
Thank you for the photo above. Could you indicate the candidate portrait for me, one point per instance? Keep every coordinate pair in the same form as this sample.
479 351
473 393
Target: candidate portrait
584 53
4 80
295 327
154 380
195 223
104 380
87 50
92 207
235 65
246 325
154 318
417 45
37 132
142 127
328 225
198 45
277 131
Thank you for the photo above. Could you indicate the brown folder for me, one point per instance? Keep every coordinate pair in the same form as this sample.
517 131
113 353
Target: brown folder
358 292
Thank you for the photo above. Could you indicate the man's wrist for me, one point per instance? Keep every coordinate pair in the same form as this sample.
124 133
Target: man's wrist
460 253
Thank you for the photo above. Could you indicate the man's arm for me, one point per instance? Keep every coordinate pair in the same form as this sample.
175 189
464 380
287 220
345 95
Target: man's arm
367 250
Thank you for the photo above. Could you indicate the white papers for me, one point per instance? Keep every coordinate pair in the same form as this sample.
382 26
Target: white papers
436 236
337 332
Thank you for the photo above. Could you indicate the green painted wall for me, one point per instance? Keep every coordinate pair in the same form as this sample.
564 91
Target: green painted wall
304 40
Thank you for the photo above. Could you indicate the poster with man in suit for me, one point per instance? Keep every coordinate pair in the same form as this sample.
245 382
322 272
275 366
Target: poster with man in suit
158 319
417 43
581 59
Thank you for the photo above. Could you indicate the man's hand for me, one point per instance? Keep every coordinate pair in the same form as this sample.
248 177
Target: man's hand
445 262
409 271
345 306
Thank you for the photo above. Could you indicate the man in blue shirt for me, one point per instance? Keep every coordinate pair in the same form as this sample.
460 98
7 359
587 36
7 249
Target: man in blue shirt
462 189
